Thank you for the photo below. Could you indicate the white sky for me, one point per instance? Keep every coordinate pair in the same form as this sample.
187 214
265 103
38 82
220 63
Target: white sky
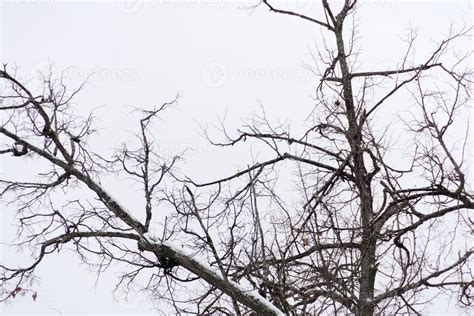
220 57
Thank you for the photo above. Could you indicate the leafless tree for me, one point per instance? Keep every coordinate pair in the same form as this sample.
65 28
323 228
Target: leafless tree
366 229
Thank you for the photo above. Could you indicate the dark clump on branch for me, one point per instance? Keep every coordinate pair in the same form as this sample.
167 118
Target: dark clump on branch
19 150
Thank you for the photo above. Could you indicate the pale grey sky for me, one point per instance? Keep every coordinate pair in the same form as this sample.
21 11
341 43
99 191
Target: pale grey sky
221 57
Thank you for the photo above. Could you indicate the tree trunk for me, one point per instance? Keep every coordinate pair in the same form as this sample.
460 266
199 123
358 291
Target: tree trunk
368 268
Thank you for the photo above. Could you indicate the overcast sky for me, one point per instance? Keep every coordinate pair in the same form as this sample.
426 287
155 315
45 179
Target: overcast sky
223 58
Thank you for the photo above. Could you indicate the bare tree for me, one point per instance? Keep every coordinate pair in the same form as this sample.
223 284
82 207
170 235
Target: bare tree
359 233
